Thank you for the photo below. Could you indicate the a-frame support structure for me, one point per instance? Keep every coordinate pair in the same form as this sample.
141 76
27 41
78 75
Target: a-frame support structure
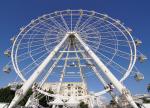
28 84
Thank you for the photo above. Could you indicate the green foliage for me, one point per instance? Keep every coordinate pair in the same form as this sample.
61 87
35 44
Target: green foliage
25 99
83 105
6 95
43 101
145 100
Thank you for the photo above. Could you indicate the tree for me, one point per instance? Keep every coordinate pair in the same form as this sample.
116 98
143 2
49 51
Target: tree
145 100
6 95
83 105
43 101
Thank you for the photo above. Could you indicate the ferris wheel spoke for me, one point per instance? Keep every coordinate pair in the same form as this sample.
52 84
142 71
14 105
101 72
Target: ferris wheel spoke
71 20
112 63
63 71
116 40
105 26
52 67
95 22
95 71
91 33
110 60
108 42
40 34
100 26
43 41
35 61
58 24
81 69
55 38
39 58
34 41
28 57
26 53
36 38
38 45
116 67
37 34
88 39
50 29
120 51
116 53
103 33
32 46
55 29
33 65
46 24
93 43
66 25
89 25
94 36
41 29
77 23
84 23
34 49
94 26
112 53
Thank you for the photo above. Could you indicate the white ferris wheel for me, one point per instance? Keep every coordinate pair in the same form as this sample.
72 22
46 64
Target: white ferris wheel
74 46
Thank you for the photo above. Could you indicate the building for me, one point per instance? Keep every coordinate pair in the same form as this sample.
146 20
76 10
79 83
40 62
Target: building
67 89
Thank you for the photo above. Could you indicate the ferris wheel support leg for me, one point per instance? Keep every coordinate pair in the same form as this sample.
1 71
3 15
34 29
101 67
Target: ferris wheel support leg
53 106
101 79
122 89
28 84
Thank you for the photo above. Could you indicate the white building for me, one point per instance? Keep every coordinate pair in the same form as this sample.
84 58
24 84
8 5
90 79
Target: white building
67 88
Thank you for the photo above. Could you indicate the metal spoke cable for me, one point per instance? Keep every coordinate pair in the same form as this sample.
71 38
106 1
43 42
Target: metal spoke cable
63 71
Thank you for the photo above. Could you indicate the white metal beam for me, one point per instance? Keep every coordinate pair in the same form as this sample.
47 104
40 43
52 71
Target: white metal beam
81 71
122 89
52 68
63 72
28 84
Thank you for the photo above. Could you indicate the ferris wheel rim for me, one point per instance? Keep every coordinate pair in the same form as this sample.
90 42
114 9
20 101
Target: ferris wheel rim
129 69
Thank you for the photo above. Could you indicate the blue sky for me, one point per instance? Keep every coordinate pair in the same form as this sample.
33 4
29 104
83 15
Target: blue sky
134 13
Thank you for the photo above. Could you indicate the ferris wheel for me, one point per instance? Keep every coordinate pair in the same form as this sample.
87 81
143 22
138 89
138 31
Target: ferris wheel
75 45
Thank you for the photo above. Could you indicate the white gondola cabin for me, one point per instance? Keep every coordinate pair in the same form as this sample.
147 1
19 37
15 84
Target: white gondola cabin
7 53
139 76
7 69
138 42
12 39
129 29
142 58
